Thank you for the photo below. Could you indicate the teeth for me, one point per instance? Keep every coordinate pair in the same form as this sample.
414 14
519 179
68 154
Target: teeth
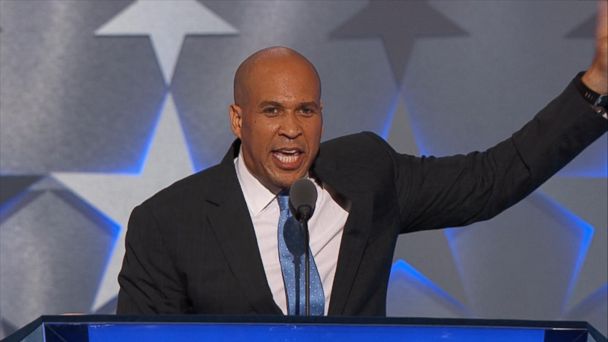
287 158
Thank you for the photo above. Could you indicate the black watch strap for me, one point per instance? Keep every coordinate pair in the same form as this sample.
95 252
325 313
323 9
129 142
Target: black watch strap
594 99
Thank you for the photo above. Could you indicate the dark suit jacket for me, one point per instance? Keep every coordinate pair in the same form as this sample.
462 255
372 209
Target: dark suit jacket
192 246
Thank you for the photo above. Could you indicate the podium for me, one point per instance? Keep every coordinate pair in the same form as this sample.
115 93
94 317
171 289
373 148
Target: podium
95 328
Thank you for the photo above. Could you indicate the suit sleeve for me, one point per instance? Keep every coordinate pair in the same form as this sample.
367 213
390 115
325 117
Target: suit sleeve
459 190
149 281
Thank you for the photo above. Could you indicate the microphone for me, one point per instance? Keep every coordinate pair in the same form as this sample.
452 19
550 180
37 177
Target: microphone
302 199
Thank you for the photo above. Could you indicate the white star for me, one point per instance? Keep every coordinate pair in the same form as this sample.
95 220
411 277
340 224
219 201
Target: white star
116 194
167 23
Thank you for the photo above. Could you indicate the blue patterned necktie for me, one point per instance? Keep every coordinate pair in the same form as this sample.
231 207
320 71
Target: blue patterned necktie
291 255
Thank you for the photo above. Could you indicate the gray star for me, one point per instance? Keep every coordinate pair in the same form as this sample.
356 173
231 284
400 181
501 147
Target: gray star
575 194
11 186
438 266
400 134
398 24
15 194
167 23
547 251
410 293
584 30
431 254
50 242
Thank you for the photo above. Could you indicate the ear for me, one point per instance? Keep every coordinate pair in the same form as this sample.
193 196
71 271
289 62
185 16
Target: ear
236 119
321 111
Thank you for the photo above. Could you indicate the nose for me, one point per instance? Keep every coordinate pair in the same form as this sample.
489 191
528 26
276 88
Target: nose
290 125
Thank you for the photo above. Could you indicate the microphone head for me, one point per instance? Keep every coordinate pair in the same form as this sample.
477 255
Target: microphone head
302 199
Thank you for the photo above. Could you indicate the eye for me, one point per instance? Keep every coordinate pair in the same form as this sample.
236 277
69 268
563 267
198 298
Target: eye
308 111
270 110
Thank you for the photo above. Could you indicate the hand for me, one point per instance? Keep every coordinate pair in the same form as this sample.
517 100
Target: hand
596 77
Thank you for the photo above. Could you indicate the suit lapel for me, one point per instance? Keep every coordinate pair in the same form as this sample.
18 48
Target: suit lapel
229 218
353 244
355 235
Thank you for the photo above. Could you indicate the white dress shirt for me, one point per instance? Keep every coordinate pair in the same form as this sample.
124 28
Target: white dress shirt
325 227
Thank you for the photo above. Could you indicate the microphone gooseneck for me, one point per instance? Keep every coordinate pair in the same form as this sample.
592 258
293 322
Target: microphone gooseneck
302 199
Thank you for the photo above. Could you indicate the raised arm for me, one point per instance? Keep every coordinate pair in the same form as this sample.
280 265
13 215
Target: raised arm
596 76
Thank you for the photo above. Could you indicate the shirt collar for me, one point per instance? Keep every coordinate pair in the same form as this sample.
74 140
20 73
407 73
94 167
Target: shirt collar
257 196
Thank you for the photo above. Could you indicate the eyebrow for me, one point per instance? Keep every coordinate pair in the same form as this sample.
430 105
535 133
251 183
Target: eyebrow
269 103
277 104
307 104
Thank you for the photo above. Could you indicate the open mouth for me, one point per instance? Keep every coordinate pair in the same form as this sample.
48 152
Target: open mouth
288 158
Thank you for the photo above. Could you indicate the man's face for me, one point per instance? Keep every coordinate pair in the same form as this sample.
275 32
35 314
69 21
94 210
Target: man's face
279 121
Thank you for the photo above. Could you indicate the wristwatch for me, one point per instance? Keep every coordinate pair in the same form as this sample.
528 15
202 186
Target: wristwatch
598 102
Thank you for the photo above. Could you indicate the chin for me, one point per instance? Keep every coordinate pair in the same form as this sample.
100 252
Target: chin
286 182
283 179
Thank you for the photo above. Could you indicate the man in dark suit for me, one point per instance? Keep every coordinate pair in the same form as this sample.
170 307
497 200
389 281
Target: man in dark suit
208 243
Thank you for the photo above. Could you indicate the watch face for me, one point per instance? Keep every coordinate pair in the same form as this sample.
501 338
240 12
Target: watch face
602 101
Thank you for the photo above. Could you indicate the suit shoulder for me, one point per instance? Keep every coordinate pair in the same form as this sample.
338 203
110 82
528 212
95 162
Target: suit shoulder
197 185
358 146
364 159
367 140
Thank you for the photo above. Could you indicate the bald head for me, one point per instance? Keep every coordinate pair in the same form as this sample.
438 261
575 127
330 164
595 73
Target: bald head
267 61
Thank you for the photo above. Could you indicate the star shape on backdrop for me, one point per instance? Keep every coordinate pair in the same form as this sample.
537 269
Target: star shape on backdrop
584 30
401 24
399 29
586 284
13 185
414 247
15 194
575 194
166 23
115 195
18 191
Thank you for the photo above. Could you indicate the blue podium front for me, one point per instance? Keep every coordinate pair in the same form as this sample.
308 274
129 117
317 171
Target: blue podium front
294 329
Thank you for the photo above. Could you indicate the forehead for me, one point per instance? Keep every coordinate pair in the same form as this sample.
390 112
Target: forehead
282 79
